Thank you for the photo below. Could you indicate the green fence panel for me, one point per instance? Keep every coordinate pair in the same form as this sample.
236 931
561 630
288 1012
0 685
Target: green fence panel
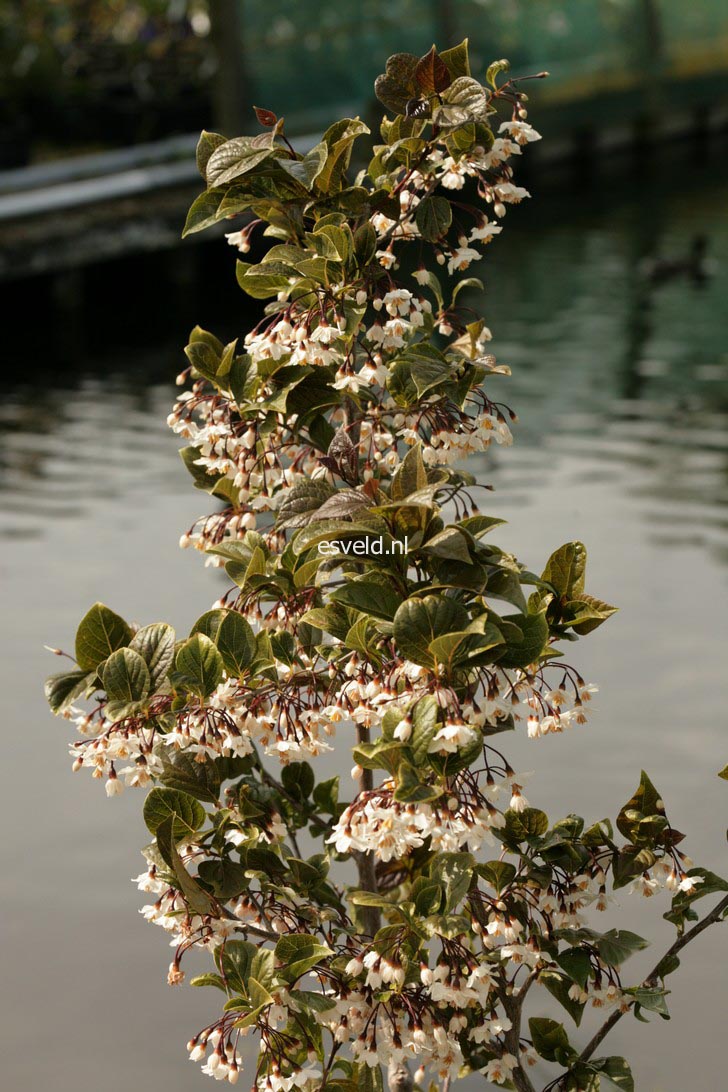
609 59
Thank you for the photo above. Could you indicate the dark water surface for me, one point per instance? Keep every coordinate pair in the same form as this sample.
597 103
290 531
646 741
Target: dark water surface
622 392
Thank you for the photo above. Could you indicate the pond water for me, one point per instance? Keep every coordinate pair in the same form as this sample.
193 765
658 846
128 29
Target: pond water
622 392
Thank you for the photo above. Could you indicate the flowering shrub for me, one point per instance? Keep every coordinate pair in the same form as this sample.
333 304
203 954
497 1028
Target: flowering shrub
343 420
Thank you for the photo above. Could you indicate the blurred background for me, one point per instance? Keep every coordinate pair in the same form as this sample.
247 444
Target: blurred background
606 295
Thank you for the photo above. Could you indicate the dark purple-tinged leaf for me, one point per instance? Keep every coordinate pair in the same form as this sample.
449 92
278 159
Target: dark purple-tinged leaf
432 74
266 117
397 85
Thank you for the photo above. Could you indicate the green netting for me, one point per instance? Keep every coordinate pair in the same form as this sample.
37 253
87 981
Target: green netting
315 58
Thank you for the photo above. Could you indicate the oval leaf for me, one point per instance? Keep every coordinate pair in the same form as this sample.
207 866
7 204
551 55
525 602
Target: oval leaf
199 665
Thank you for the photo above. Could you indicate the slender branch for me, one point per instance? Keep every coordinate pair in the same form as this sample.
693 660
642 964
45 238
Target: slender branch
710 919
254 930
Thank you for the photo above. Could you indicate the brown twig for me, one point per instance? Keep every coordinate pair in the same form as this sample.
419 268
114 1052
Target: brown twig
710 919
514 1009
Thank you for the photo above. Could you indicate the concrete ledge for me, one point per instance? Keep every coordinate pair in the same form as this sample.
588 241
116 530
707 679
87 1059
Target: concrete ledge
94 164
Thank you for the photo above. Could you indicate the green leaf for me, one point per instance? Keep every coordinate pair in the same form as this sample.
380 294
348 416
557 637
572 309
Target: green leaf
587 613
457 60
235 642
424 728
197 334
419 621
558 985
565 570
209 623
417 370
410 475
550 1039
617 945
495 69
240 377
262 281
382 754
100 633
615 1070
155 644
308 169
206 145
235 960
366 1078
454 873
208 979
62 689
465 101
199 665
629 862
333 619
369 898
204 359
298 779
497 873
577 964
427 897
237 157
467 282
197 897
644 803
298 953
203 212
465 650
433 218
651 998
452 544
529 823
126 677
411 789
226 878
307 999
340 138
376 597
259 999
331 241
198 779
161 804
526 650
365 244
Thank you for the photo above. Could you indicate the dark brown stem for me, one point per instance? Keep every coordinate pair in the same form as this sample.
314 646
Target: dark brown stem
514 1010
365 861
652 978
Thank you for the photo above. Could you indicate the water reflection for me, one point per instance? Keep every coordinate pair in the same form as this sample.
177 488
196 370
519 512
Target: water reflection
622 391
